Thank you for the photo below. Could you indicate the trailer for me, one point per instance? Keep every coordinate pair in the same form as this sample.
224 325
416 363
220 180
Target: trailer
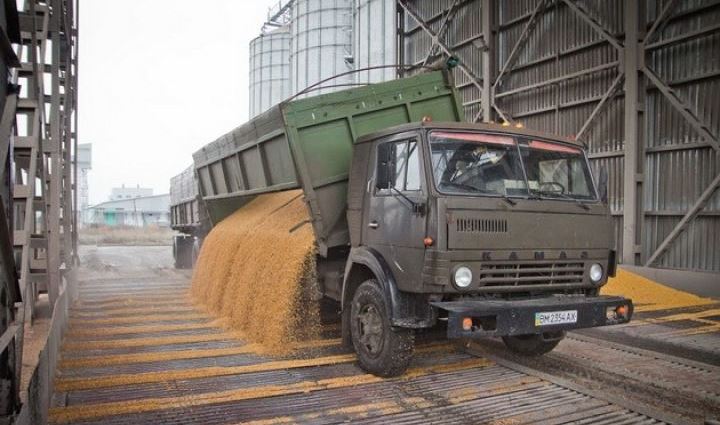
420 218
185 218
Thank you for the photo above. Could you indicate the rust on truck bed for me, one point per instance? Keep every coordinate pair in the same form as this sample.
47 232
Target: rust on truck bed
177 366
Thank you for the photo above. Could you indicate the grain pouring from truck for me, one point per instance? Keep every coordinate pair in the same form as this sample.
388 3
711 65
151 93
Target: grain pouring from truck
420 218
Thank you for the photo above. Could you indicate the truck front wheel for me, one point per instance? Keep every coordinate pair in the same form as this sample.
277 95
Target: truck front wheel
381 349
533 345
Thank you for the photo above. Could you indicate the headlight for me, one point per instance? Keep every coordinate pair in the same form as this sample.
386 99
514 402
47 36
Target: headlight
463 277
596 273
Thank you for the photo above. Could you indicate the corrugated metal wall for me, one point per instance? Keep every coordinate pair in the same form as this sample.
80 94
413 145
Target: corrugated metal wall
460 34
676 178
565 64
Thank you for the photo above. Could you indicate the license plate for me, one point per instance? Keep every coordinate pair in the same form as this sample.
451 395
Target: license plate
555 317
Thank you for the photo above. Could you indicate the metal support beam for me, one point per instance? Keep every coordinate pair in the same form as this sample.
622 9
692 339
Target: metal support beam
462 67
687 218
487 18
74 131
400 42
660 22
443 27
55 172
632 210
529 25
559 79
608 94
683 108
594 24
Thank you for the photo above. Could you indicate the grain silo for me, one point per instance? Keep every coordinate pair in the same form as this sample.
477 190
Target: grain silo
269 69
374 39
321 43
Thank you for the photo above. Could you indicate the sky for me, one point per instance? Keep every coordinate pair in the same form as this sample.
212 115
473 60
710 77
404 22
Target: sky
158 79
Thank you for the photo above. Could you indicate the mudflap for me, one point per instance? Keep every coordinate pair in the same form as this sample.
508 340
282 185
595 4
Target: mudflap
481 318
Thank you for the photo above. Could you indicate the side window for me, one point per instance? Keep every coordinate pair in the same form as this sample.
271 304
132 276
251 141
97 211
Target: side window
398 166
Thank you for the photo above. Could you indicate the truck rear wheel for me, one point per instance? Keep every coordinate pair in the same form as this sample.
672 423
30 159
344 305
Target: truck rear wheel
381 349
182 246
533 345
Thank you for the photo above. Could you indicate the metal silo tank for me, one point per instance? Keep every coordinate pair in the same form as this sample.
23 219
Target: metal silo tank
321 42
269 70
374 39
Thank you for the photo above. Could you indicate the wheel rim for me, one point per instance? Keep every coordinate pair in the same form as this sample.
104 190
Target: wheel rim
370 330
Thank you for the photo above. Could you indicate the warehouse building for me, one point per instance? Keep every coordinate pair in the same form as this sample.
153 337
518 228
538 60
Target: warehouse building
140 211
636 81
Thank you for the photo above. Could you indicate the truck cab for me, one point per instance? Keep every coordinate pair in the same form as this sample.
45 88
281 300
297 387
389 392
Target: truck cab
496 231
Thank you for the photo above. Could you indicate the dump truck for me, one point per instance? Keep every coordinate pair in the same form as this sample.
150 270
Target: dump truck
422 219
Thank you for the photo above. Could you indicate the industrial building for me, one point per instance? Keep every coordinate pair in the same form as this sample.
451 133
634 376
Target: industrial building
122 192
130 210
635 81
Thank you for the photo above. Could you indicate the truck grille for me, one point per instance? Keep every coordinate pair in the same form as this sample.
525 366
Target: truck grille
536 273
481 225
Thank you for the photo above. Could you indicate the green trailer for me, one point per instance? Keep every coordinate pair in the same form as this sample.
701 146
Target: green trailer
307 144
422 219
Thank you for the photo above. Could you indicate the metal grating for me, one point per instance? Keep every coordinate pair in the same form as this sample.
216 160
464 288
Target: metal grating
481 225
540 273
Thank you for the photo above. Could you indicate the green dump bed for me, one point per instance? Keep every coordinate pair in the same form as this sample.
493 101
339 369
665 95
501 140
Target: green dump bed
307 144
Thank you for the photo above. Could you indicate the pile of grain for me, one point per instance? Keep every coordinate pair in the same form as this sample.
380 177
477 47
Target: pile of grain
648 295
256 271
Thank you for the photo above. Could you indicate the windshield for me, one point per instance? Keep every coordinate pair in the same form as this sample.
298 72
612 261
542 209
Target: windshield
475 163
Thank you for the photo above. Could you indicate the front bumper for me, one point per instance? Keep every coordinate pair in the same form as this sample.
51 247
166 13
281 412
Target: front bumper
507 318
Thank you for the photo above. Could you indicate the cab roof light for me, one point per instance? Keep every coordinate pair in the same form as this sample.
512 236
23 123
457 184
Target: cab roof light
476 137
555 147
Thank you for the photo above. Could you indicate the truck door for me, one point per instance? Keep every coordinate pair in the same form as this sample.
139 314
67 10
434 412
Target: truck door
394 222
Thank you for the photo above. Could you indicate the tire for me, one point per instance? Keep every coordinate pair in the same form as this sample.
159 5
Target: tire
533 345
176 252
182 246
381 349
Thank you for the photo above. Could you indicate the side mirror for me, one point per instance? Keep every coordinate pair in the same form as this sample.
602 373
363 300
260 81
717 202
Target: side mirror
603 184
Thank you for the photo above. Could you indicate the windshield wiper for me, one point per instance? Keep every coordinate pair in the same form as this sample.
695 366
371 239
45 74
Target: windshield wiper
562 195
466 187
479 190
509 200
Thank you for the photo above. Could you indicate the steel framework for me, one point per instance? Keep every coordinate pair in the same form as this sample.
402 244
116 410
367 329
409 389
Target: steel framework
44 144
612 73
38 140
278 15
